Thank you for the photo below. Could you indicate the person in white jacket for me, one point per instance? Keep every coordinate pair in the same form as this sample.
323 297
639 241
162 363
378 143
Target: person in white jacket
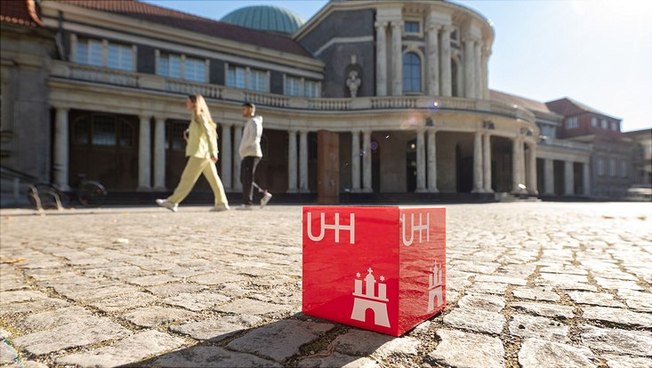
250 154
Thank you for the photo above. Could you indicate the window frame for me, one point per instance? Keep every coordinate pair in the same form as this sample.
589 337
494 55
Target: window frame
419 58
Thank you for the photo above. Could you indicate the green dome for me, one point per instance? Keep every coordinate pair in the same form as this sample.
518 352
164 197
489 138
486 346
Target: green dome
265 18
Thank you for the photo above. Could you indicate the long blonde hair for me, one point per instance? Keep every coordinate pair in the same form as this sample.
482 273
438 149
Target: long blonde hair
201 109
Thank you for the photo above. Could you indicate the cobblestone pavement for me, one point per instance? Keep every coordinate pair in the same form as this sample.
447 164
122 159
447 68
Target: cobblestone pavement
529 285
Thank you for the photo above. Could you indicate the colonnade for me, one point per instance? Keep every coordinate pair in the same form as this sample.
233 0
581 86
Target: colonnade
524 161
438 71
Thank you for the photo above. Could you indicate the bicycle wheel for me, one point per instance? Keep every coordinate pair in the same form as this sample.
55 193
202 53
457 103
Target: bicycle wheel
91 194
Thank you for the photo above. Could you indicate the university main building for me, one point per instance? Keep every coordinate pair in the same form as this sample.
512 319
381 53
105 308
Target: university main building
373 98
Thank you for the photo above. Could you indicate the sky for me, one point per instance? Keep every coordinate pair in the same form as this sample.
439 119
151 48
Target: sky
597 52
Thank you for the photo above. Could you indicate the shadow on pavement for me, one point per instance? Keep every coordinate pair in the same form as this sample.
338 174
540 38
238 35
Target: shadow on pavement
297 341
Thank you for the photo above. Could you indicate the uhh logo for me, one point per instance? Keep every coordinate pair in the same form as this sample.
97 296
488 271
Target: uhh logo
420 228
336 227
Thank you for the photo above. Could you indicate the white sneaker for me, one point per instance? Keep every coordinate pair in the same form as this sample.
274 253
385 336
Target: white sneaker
169 205
220 207
266 197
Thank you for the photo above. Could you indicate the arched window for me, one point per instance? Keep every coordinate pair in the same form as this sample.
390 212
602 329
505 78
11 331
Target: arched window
411 72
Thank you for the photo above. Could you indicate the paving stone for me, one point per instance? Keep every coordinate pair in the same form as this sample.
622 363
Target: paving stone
217 329
475 320
32 306
338 360
545 310
151 280
216 278
537 293
536 353
601 299
502 279
462 349
639 301
619 316
197 301
48 341
617 284
279 340
55 318
7 352
120 303
210 357
175 288
620 361
487 288
491 303
158 316
359 342
251 306
617 340
538 327
565 281
130 350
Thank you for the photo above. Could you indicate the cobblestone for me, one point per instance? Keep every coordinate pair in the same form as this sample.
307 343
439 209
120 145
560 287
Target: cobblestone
528 285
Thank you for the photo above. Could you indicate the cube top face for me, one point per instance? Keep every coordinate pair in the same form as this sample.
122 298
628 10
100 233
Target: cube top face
377 268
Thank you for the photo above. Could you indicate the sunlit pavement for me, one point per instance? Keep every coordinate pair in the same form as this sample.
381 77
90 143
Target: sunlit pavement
530 284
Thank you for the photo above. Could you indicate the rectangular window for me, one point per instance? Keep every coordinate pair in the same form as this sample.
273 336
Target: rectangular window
604 124
614 126
258 81
121 57
194 70
571 123
623 168
292 86
601 166
89 52
594 122
169 66
612 167
412 27
312 89
235 77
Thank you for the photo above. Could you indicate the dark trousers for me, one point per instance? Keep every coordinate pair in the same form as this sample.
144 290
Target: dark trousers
247 174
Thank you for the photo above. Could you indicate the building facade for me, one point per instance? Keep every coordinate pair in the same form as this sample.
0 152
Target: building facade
403 84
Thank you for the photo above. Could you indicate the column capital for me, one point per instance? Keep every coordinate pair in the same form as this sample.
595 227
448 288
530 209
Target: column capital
380 24
61 108
447 28
397 23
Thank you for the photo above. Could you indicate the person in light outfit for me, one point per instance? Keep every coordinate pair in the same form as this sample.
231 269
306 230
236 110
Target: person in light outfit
250 154
201 150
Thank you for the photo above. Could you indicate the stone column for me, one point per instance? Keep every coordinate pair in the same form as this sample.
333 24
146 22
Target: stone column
586 176
432 60
549 176
432 161
355 161
569 180
237 184
477 164
303 162
479 93
381 58
532 170
486 161
469 68
159 154
144 155
226 156
397 58
516 180
292 161
421 161
61 147
366 162
445 62
485 73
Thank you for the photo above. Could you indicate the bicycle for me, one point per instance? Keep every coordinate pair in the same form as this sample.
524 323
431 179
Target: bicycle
89 193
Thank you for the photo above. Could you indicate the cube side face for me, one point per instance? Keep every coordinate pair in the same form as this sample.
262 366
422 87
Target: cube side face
350 266
422 265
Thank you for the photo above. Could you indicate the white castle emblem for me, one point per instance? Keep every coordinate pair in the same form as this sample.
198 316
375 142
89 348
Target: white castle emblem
435 287
370 299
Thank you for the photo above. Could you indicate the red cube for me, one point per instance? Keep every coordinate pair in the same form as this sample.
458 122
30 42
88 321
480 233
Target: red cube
378 268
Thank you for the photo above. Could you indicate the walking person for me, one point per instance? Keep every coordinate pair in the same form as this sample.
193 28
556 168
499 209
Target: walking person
201 150
250 154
